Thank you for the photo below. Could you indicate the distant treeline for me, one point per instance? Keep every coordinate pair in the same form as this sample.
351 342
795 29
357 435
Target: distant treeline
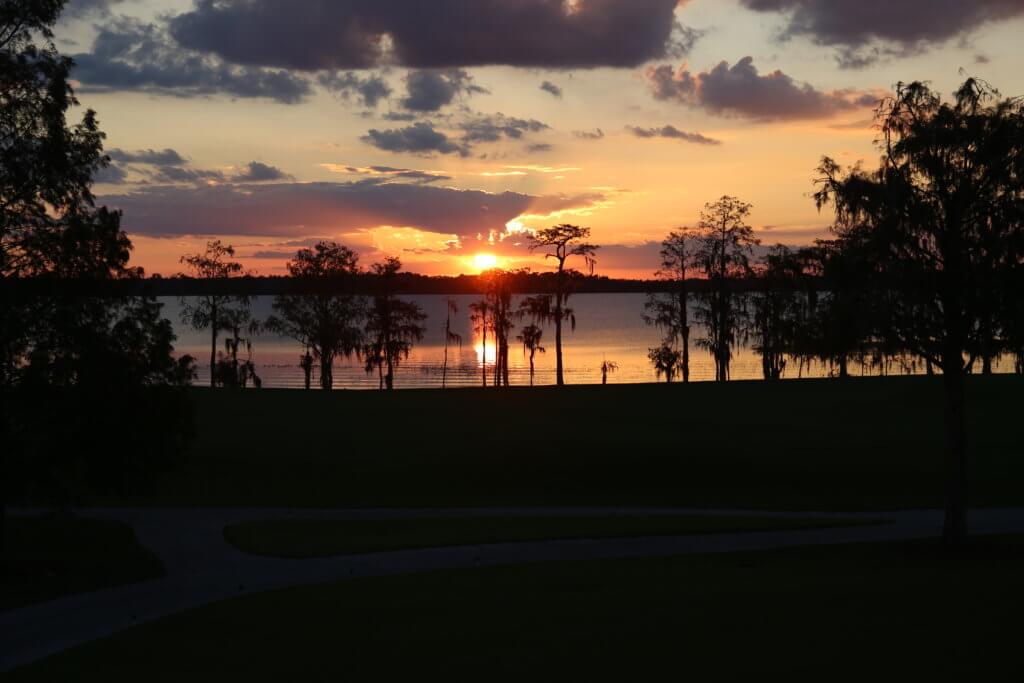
363 283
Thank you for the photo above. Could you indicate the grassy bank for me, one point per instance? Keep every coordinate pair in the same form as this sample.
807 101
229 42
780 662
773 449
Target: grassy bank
863 612
51 557
859 444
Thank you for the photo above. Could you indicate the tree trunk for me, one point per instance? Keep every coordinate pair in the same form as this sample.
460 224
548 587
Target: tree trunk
684 329
483 360
532 352
559 295
955 527
326 371
444 369
214 323
389 377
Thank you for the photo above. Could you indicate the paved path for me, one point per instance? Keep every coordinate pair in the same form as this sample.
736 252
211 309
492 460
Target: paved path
203 568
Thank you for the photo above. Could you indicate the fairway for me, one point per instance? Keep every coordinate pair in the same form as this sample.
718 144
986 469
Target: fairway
308 538
859 444
897 611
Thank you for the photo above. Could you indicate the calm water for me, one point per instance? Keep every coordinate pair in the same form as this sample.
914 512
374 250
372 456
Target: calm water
609 327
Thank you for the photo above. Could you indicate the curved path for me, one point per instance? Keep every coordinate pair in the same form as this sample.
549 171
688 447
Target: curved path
203 568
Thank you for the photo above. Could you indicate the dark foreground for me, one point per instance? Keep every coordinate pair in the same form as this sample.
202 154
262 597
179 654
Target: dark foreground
860 444
894 611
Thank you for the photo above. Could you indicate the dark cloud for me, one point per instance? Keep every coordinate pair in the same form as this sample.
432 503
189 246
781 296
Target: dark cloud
369 89
674 133
419 138
177 174
358 34
130 55
430 90
494 127
257 172
302 209
110 175
540 147
740 90
163 157
549 87
866 30
595 134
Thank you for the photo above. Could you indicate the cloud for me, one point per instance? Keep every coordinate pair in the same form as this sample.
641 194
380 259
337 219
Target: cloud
540 147
303 209
369 89
741 91
672 132
110 175
164 157
177 174
595 134
130 55
430 90
76 9
549 87
359 34
391 172
419 138
257 172
494 127
867 30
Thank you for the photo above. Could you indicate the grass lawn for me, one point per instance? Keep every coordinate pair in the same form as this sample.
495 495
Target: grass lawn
861 444
305 538
55 556
899 611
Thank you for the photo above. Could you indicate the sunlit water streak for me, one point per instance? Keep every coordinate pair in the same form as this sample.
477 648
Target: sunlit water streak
609 327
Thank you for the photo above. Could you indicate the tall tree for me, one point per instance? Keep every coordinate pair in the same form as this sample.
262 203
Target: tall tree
450 337
499 297
326 316
480 315
938 216
669 311
215 310
530 337
560 243
775 310
724 246
393 325
89 389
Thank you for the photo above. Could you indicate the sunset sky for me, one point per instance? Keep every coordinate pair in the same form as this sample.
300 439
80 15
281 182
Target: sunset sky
440 131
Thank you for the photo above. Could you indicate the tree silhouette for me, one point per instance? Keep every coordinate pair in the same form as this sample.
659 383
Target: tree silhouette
724 246
498 285
231 372
326 317
940 217
560 243
665 360
608 367
669 311
213 310
480 315
90 394
449 337
530 337
776 310
393 326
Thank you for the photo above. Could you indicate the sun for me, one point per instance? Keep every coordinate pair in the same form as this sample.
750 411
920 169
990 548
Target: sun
484 262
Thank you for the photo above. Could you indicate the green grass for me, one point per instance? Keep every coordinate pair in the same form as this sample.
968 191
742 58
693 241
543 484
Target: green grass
862 444
905 611
306 538
50 557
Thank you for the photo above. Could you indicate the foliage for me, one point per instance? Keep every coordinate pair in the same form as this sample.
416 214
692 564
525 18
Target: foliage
668 311
327 318
393 325
666 361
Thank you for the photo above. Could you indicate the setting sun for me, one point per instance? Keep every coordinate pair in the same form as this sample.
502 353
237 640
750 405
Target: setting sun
484 262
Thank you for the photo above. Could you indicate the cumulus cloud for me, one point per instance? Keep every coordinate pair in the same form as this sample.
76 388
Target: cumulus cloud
429 90
130 55
257 172
549 87
866 30
302 209
110 175
673 133
420 138
741 91
359 34
370 90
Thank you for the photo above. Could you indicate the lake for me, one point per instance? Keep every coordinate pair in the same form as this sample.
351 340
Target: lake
608 327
